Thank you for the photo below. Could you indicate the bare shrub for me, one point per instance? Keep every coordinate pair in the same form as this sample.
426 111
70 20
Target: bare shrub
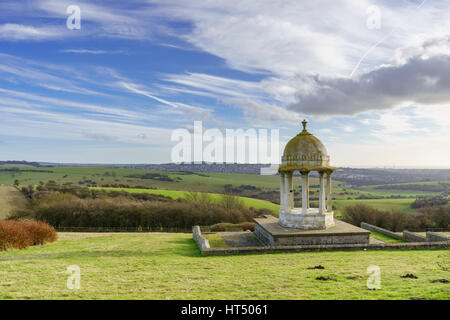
17 234
124 212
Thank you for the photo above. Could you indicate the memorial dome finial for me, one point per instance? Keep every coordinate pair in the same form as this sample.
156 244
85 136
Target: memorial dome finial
304 123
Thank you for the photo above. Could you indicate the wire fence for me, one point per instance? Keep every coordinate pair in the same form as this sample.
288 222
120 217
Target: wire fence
143 229
124 229
183 230
430 229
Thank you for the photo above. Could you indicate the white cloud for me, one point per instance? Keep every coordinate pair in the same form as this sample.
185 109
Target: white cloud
419 80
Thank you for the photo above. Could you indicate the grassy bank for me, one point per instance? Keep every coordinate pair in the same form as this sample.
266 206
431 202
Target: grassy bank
175 194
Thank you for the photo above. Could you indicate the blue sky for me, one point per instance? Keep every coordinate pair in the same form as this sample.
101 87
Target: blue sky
373 79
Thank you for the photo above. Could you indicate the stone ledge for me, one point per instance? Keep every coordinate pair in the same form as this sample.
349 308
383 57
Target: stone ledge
271 233
271 224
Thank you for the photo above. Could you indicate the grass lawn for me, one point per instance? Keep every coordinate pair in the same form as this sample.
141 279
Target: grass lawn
384 238
175 194
215 240
169 266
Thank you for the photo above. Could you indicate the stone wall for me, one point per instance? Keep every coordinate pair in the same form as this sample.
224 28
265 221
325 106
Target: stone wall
263 235
339 247
381 230
322 240
413 237
433 237
407 235
201 241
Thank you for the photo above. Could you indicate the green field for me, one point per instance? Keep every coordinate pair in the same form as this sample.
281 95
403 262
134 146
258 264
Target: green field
202 182
408 193
206 182
169 266
402 205
175 194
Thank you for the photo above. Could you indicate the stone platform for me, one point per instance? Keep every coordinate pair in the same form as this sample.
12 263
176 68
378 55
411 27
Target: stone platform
271 233
312 219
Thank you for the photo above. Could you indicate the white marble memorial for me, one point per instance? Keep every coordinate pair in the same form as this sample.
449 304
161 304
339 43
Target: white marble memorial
305 153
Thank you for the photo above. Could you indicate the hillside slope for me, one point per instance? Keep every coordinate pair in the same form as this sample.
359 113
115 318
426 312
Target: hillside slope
10 199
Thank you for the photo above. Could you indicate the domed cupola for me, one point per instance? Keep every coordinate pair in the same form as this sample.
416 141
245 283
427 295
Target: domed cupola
305 152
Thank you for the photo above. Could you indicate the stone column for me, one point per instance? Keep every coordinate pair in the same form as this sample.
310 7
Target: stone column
286 192
291 190
329 202
304 192
307 190
282 175
322 193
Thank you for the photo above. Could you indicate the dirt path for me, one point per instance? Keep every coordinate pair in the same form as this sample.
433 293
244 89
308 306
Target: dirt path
10 199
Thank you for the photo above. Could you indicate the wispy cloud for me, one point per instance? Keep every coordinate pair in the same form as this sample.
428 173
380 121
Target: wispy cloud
33 100
192 111
11 31
42 74
90 51
63 125
218 86
262 113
